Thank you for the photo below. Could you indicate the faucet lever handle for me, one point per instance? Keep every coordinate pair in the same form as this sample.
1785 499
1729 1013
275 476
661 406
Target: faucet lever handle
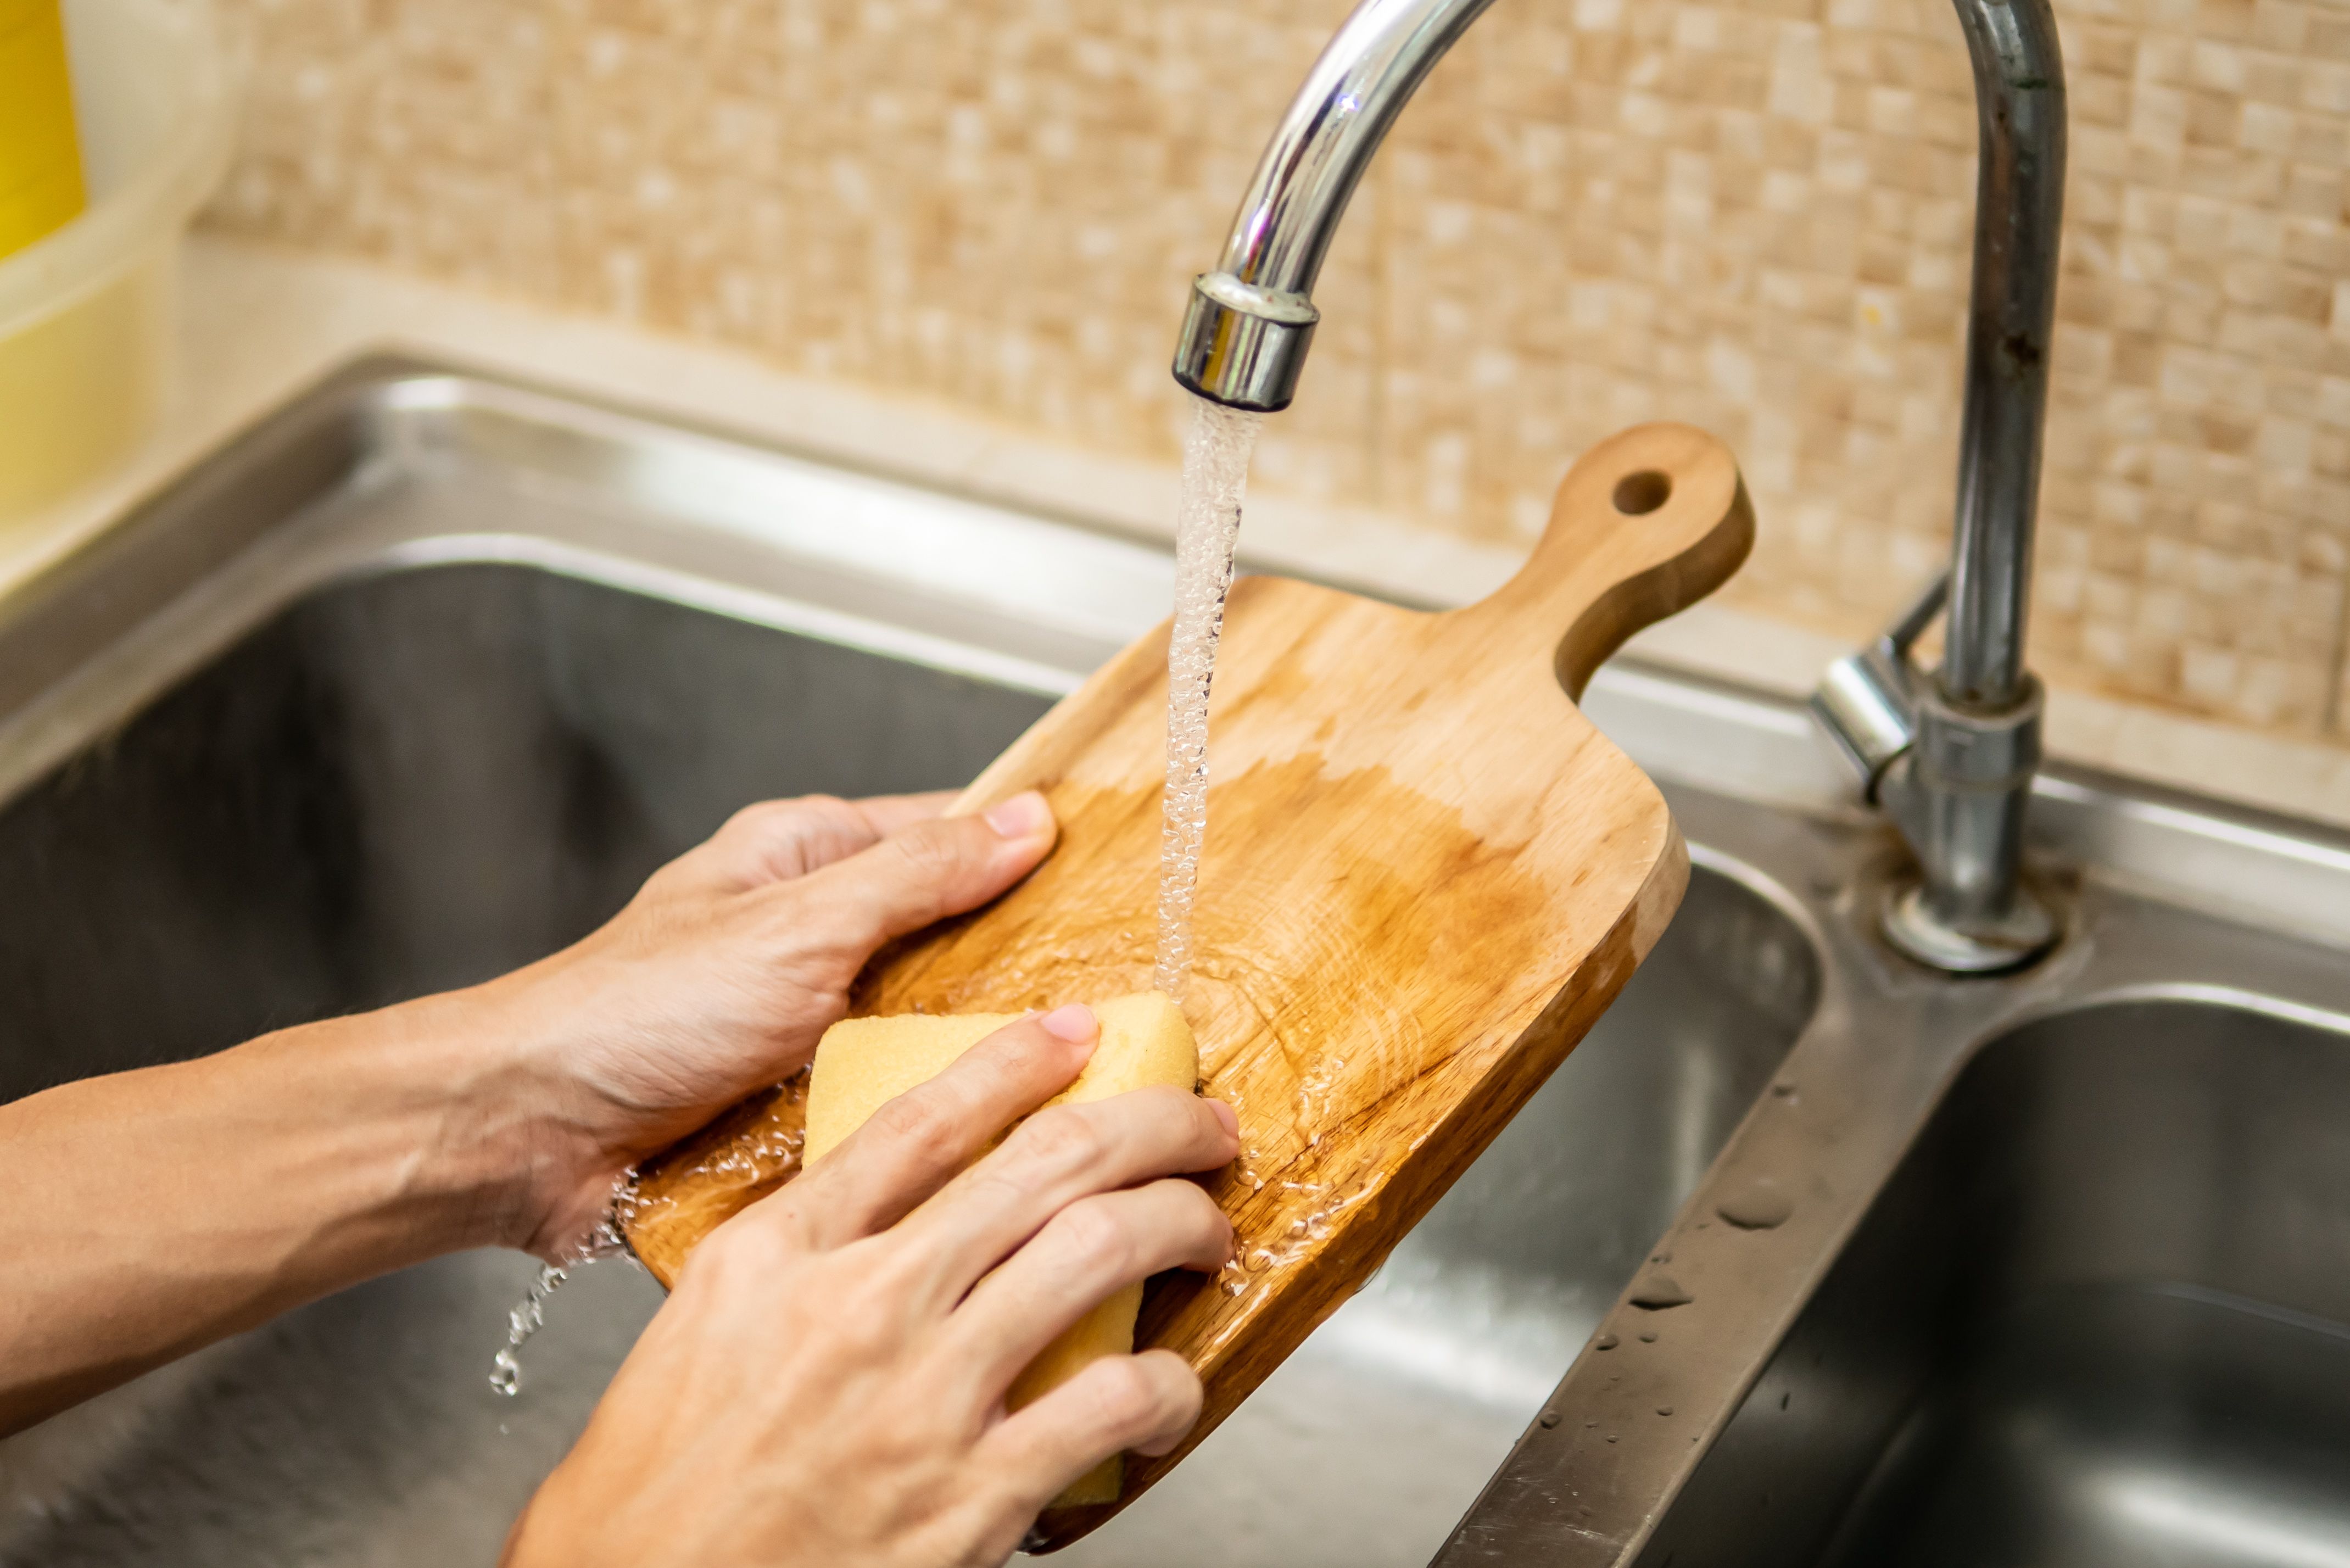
1912 623
1868 701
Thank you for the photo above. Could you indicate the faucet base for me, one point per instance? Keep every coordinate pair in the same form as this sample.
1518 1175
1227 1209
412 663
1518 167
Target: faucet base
2028 929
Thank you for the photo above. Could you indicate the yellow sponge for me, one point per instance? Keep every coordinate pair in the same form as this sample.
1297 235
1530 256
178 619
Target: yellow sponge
863 1063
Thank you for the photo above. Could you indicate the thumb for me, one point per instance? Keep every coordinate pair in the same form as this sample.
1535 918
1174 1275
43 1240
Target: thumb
925 872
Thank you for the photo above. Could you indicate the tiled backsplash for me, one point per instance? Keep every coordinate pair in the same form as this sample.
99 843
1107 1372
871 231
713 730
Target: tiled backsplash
1754 216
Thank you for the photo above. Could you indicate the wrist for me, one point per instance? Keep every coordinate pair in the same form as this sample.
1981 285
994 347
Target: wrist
549 1144
493 1153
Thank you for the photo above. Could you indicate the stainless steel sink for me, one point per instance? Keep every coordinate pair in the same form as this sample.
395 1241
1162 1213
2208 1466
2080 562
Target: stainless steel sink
417 679
2053 1270
401 781
419 683
2097 1317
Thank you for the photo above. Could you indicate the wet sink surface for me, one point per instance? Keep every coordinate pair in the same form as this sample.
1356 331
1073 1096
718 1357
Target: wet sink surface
419 778
2099 1317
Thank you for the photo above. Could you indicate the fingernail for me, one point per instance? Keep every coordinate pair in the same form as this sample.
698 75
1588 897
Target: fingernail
1024 816
1226 1114
1073 1023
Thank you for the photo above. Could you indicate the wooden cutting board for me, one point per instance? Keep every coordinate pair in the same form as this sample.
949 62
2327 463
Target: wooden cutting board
1426 874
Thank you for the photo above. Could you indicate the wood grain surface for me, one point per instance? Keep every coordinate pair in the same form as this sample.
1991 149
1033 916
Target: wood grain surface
1426 874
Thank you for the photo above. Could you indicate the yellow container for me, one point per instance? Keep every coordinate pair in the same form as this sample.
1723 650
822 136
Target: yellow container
86 314
40 154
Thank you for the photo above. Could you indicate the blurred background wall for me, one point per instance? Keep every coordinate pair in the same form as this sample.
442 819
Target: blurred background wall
1751 216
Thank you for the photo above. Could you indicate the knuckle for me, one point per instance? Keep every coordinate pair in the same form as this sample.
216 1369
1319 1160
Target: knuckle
1179 1116
794 835
931 854
1130 1390
857 1335
764 820
917 1121
738 1253
1092 1232
1201 1212
869 1296
758 814
987 1528
1064 1138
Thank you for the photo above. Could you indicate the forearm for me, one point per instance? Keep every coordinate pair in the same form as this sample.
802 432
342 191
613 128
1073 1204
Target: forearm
153 1213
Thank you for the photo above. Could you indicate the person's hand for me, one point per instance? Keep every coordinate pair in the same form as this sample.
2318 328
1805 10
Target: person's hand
716 981
825 1387
172 1206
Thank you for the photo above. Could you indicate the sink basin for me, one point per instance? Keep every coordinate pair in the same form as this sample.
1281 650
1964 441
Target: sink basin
2099 1316
1806 1255
399 783
380 749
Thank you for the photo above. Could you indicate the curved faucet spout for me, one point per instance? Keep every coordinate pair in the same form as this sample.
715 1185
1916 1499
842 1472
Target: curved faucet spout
1249 321
1951 756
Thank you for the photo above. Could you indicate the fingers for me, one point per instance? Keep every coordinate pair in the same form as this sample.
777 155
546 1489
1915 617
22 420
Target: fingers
1085 1254
931 869
772 841
917 1142
890 812
1143 1404
778 840
1059 1156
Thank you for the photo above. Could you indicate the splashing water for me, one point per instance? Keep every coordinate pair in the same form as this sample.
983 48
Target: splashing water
529 1316
1207 526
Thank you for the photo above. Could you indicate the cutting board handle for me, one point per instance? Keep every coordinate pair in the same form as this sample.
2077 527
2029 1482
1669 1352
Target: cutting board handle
1646 523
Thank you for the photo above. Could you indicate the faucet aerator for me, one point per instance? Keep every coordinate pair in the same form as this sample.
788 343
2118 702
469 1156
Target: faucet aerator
1242 346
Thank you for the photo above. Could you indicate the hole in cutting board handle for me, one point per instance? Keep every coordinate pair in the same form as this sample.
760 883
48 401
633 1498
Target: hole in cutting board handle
1637 494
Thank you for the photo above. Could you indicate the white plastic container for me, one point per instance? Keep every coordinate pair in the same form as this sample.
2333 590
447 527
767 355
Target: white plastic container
86 315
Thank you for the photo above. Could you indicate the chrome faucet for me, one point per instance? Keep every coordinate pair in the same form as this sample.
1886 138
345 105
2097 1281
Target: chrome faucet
1949 754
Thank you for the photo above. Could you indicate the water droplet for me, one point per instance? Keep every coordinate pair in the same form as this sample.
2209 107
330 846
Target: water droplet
1756 1203
1664 1409
1659 1293
1549 1418
1605 1342
1649 1337
527 1318
1784 1088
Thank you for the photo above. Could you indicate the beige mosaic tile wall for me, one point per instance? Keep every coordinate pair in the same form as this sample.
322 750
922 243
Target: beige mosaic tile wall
1751 215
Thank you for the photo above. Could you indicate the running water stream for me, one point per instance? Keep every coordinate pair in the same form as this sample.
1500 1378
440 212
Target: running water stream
1207 527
